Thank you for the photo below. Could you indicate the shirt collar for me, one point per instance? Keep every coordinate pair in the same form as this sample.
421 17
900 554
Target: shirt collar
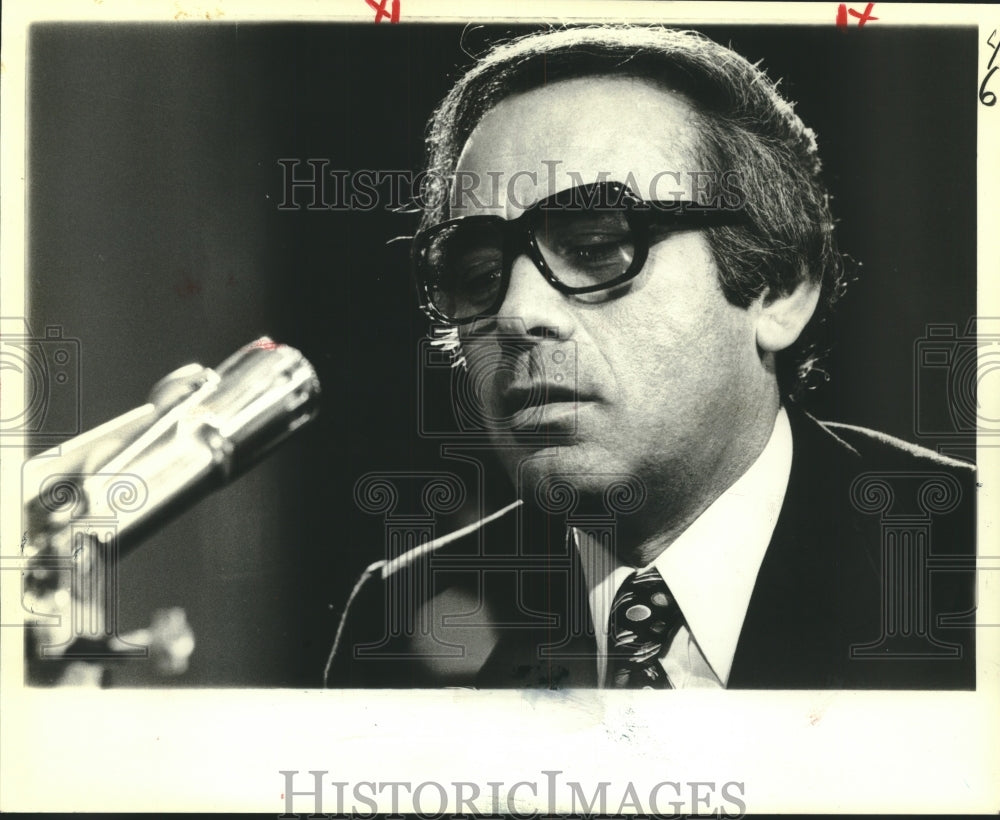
711 568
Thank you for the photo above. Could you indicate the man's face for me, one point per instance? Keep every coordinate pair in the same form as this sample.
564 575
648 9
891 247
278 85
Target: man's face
669 385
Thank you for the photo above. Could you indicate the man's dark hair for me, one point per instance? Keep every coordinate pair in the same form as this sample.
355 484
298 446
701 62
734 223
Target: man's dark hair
745 126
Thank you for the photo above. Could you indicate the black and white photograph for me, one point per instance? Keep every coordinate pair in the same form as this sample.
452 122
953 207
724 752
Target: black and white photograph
417 368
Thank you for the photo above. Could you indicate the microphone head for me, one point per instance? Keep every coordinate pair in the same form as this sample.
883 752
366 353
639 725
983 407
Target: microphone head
264 393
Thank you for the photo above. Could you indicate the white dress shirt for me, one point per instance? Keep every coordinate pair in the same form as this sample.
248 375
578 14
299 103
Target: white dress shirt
711 569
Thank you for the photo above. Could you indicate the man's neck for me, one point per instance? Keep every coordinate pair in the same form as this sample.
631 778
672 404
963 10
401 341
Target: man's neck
641 538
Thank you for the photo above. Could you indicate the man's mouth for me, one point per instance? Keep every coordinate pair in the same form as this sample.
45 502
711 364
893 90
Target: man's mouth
541 403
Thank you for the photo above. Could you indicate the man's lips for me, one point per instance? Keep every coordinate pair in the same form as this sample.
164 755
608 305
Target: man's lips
519 400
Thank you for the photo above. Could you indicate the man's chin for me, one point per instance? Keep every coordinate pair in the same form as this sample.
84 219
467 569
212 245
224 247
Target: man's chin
572 478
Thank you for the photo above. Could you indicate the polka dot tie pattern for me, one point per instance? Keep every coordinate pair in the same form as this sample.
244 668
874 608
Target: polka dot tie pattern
644 620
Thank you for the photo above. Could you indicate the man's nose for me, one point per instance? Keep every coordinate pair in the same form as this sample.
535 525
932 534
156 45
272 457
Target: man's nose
532 306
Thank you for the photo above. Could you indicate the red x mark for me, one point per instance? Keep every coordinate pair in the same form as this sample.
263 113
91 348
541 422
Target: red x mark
863 16
380 11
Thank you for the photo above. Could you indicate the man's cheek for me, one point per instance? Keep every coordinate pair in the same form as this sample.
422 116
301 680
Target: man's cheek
486 373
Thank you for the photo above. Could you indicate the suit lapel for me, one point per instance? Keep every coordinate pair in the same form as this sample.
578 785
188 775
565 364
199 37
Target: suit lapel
799 623
554 645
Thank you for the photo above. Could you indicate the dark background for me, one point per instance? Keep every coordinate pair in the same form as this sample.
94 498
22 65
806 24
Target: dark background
155 240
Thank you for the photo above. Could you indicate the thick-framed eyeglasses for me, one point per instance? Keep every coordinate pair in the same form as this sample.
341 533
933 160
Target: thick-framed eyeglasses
582 240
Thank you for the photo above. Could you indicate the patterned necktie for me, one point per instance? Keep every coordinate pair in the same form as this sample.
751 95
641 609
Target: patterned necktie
644 620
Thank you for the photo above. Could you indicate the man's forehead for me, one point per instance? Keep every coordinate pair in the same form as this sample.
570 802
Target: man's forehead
575 132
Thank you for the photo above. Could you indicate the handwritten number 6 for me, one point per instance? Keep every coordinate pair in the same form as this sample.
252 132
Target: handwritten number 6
988 98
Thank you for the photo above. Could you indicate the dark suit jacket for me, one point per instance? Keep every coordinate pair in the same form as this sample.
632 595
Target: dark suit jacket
868 583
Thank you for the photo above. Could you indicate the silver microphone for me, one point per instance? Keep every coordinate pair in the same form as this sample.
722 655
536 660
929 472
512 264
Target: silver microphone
108 487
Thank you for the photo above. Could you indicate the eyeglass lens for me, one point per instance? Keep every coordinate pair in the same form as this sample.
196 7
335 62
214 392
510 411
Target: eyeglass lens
463 263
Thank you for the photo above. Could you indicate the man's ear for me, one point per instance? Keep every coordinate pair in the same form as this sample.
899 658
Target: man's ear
783 318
